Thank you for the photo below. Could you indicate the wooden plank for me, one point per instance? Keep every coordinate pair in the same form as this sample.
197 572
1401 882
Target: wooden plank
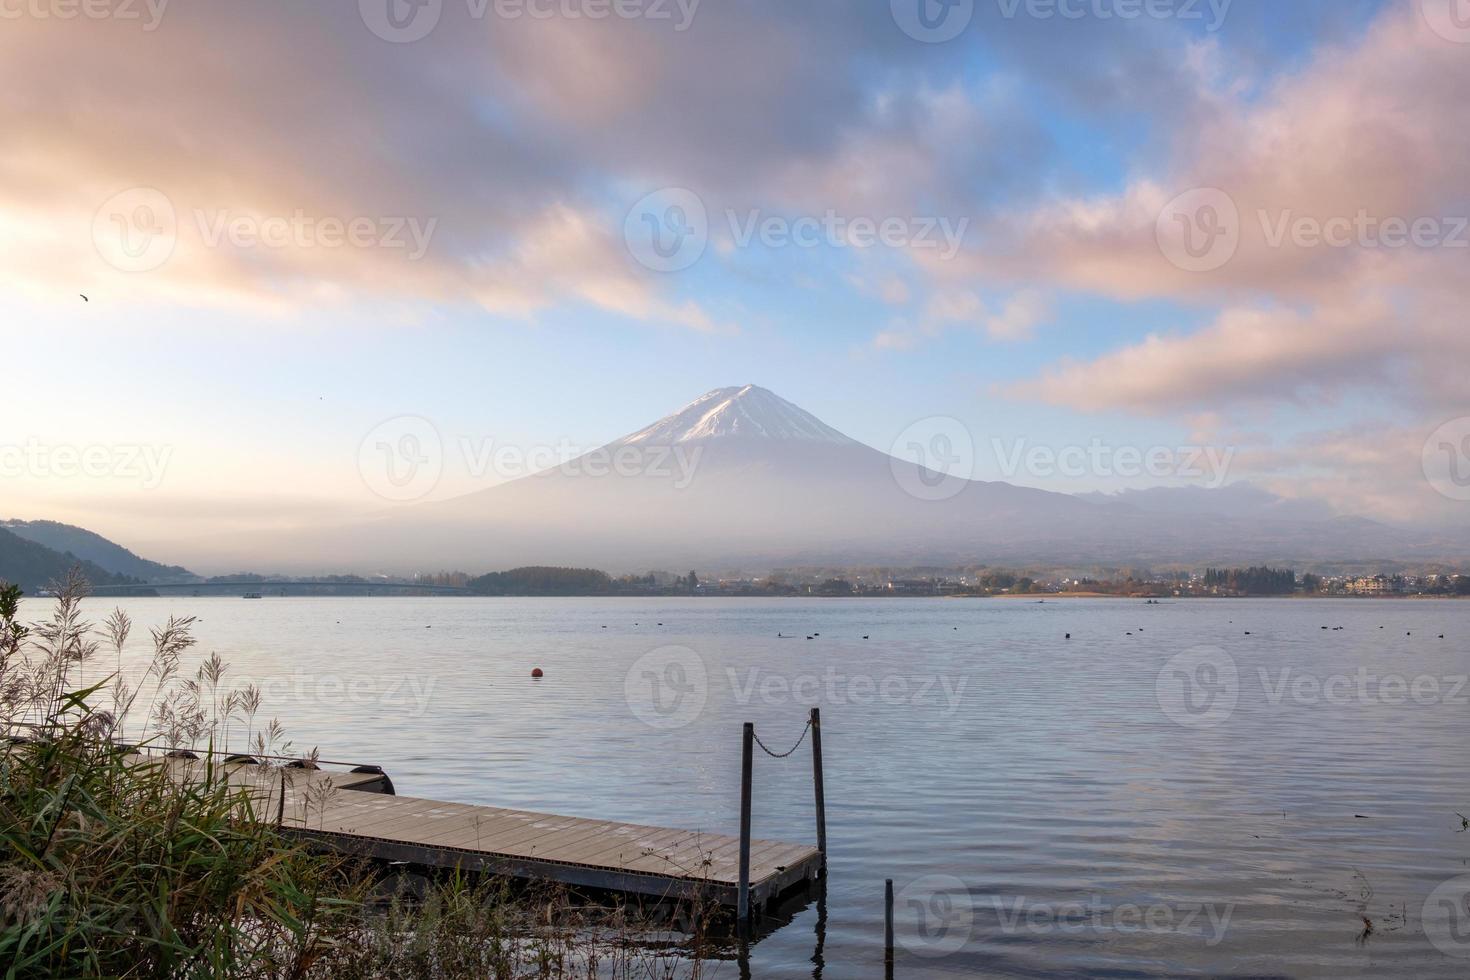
404 810
562 839
703 858
525 829
568 848
481 832
361 810
549 844
629 841
686 847
645 876
578 851
779 857
693 868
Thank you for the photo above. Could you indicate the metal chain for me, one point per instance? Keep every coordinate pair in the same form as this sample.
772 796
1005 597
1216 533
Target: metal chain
782 755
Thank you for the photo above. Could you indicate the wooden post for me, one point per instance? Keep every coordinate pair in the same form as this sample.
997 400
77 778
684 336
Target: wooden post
888 922
817 786
747 761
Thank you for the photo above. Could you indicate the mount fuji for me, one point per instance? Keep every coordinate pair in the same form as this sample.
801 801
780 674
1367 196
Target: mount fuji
742 478
739 477
738 413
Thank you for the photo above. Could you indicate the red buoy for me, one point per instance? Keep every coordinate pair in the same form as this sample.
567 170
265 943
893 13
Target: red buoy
537 673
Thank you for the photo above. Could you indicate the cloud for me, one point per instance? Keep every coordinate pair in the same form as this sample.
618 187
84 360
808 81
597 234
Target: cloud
899 340
481 129
1366 132
1020 317
1248 355
244 172
954 306
1371 470
569 254
1369 126
949 309
891 289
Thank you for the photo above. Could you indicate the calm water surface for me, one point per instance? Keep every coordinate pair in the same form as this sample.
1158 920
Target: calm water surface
1186 800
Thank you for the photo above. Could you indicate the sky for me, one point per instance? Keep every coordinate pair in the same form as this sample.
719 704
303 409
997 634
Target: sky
528 227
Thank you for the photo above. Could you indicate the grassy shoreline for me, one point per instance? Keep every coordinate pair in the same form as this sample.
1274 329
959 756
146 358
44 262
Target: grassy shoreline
111 865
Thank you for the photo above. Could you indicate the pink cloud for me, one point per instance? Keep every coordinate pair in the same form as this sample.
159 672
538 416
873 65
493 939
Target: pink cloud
254 170
1252 354
1324 288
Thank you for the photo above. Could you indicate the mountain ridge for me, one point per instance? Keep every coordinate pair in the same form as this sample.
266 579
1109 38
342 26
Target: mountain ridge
92 547
35 567
769 484
741 478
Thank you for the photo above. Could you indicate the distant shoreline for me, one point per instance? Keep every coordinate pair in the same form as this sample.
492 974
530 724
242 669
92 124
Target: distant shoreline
1182 598
1035 597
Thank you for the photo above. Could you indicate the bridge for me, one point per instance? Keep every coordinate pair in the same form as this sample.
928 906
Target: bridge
187 588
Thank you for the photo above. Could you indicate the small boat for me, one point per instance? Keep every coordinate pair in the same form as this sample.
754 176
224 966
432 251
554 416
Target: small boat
251 595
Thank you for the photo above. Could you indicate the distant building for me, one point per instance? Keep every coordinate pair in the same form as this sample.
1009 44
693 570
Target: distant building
1365 585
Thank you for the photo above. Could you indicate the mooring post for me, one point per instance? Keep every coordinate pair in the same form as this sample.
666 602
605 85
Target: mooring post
747 761
817 786
888 922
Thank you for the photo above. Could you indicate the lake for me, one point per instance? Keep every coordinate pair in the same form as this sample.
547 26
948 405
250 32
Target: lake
1217 788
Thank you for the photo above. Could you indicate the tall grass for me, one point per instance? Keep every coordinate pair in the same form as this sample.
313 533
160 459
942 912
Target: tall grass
112 865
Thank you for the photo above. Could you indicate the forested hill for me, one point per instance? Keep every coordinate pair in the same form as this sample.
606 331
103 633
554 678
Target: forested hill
34 566
92 547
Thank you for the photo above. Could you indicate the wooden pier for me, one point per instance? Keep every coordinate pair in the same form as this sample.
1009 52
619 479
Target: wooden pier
619 857
357 813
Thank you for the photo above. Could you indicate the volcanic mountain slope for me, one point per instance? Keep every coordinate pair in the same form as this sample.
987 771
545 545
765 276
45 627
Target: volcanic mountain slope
742 477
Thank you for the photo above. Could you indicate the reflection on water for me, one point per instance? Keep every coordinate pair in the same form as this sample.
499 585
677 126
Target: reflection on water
1221 788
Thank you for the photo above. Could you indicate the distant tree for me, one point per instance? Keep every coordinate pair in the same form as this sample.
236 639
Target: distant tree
1251 581
543 581
997 581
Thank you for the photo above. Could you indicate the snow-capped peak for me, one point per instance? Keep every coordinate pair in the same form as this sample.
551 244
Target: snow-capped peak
750 412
